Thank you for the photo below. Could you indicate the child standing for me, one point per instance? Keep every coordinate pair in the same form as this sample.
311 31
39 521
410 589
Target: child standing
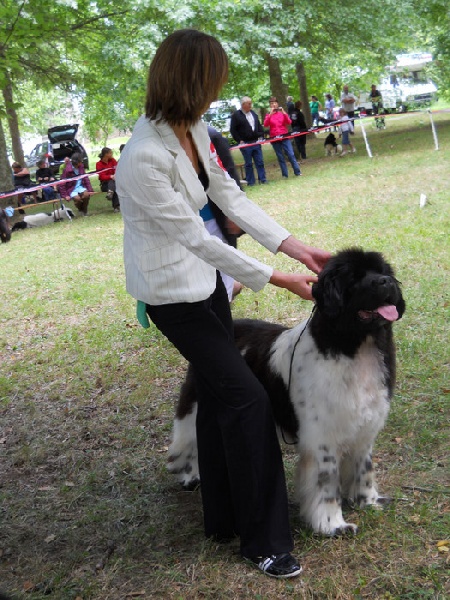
346 128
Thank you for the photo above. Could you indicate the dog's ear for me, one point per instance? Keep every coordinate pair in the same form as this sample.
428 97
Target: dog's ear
328 294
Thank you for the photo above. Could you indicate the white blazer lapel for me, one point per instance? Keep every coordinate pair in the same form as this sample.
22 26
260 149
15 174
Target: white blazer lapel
188 177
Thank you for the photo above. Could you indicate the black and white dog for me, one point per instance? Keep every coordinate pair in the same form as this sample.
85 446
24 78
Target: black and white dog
40 219
330 380
331 146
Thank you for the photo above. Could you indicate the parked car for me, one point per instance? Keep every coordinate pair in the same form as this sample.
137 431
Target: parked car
219 114
61 143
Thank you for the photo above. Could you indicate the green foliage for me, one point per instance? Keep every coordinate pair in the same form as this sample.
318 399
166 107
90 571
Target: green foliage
99 52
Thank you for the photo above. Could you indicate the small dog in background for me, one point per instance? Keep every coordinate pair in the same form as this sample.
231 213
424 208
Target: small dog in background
331 146
44 218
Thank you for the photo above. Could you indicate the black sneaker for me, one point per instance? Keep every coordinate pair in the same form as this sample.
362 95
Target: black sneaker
277 565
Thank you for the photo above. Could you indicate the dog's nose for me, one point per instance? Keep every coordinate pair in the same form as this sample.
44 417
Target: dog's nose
383 281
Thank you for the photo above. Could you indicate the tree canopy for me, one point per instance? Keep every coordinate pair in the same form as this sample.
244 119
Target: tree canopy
97 53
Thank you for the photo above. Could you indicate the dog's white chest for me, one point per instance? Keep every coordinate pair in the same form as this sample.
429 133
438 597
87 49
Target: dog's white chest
346 396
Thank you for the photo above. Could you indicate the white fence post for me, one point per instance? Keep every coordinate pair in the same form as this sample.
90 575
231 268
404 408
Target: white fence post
433 129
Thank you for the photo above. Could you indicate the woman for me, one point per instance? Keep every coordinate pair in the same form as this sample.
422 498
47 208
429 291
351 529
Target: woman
315 107
106 168
277 120
172 265
78 189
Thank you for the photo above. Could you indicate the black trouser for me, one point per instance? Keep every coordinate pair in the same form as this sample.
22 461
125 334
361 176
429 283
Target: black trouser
241 468
110 186
300 142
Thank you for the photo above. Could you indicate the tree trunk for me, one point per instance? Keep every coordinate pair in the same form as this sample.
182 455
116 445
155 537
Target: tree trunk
301 78
13 122
6 178
277 87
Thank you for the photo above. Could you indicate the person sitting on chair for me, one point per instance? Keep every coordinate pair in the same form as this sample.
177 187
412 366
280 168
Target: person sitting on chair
22 179
45 175
106 168
78 190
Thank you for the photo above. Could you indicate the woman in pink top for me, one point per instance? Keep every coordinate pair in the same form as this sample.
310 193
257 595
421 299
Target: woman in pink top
277 121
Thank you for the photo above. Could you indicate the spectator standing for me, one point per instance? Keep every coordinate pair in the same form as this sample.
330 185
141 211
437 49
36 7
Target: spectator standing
315 107
299 125
329 107
376 99
216 222
348 102
246 128
74 188
277 120
106 168
346 128
290 104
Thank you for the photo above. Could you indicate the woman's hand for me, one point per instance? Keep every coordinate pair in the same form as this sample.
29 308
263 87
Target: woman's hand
294 282
313 258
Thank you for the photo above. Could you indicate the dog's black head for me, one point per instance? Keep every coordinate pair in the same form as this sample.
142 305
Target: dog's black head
330 139
357 291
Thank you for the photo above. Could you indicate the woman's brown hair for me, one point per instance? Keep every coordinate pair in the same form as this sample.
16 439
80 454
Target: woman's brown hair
185 76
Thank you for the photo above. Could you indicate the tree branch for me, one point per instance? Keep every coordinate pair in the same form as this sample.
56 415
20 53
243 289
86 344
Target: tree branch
4 46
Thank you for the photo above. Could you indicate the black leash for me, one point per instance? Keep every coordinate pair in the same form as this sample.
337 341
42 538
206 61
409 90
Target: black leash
290 368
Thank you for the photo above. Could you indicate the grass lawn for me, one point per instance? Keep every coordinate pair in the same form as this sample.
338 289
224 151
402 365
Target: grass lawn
87 508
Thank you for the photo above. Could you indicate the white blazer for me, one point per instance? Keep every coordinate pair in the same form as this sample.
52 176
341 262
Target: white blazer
169 255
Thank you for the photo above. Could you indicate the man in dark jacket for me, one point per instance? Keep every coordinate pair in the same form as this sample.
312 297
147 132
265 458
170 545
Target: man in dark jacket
246 128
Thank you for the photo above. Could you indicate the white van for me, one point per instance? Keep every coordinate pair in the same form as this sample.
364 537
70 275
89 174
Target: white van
406 85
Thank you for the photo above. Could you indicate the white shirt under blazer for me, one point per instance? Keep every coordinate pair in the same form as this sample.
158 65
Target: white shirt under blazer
169 255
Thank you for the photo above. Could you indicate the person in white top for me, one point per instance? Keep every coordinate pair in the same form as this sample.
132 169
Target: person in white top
171 261
346 127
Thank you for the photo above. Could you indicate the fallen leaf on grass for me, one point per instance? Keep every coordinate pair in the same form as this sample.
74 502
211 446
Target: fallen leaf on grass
50 538
135 594
414 519
28 585
443 546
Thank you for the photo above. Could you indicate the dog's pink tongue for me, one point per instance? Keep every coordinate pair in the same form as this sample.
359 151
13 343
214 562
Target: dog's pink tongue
388 312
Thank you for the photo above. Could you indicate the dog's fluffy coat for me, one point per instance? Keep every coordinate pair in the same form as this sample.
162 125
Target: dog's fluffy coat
331 146
40 219
330 380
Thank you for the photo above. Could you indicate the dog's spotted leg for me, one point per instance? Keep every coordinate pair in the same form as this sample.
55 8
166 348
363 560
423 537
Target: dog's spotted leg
358 479
319 491
183 459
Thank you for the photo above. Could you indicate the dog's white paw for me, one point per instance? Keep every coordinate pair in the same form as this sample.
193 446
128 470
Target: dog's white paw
182 459
184 463
335 527
328 520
